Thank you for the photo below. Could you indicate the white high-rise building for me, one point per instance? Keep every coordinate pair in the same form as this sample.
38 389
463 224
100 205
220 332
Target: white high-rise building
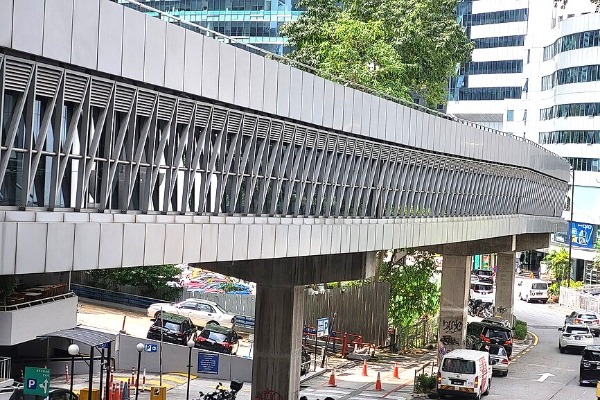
535 73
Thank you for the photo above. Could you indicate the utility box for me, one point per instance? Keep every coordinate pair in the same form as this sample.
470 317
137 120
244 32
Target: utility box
158 393
84 394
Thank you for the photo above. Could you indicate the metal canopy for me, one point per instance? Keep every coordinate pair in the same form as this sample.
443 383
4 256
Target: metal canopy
83 335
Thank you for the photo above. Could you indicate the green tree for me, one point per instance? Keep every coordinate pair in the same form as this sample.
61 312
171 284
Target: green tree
558 263
397 47
151 280
596 2
8 283
413 292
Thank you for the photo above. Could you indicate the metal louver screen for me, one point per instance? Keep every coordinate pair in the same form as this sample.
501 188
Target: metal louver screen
263 128
218 119
249 125
124 98
234 122
288 133
17 75
166 106
47 80
184 112
101 91
145 103
202 115
75 87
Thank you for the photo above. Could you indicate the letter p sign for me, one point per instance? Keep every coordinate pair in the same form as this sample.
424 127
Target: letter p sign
31 383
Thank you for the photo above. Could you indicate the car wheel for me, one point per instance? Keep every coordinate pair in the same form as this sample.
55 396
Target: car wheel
560 348
505 373
580 381
527 299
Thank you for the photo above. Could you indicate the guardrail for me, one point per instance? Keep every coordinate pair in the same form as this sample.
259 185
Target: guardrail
32 303
579 300
113 297
4 368
244 323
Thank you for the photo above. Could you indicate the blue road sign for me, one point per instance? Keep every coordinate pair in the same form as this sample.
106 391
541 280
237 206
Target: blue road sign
322 327
208 363
151 347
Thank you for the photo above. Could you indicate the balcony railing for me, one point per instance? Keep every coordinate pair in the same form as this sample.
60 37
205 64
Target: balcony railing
4 369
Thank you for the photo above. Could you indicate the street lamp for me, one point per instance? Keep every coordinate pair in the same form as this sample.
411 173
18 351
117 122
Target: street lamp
73 351
139 348
190 345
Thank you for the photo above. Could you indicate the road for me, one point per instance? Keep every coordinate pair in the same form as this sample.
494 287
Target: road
525 380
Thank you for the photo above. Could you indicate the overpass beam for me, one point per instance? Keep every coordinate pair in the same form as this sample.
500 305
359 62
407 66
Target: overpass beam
278 340
456 273
505 285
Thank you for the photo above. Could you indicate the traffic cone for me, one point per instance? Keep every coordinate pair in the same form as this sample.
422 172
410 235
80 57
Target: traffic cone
378 383
364 371
332 379
396 371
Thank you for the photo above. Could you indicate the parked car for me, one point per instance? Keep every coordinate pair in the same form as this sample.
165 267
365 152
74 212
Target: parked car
585 317
53 394
175 328
201 312
485 275
482 291
574 337
218 338
305 359
497 321
589 366
464 372
498 359
482 333
533 290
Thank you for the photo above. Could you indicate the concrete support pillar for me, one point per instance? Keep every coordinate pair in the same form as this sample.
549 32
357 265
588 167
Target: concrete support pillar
505 286
278 340
456 273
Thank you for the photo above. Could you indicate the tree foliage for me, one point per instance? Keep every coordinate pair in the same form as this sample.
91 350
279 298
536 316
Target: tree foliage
413 292
397 47
150 280
558 263
597 3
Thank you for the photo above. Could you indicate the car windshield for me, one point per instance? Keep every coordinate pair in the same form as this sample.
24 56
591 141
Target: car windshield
592 355
172 326
575 329
459 366
497 351
218 307
217 337
539 286
497 334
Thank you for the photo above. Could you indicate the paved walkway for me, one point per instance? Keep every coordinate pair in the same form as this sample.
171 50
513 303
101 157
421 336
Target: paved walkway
351 384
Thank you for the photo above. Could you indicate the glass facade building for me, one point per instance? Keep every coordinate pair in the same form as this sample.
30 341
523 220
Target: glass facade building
255 22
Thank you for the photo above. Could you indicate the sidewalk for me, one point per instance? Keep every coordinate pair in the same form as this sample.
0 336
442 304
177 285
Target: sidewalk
349 379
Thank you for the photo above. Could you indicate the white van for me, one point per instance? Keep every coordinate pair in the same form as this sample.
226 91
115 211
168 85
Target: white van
482 291
533 290
464 372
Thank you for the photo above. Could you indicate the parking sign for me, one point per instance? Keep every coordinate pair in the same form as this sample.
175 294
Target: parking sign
322 327
37 381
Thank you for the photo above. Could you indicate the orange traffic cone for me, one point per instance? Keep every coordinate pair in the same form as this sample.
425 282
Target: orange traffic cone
364 371
396 371
378 383
332 379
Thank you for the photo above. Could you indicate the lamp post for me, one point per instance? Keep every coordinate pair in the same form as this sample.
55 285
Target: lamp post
570 226
73 351
139 348
190 345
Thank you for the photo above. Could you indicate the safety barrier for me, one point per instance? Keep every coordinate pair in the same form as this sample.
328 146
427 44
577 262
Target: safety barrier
4 369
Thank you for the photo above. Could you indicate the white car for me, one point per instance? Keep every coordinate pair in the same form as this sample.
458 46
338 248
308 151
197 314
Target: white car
574 337
201 312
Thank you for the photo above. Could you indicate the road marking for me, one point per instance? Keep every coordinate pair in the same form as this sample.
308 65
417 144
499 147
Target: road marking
545 376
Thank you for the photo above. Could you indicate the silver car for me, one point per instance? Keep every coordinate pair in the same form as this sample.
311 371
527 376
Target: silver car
588 318
201 312
498 359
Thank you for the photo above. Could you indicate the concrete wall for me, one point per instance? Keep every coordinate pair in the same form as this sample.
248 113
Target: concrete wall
31 240
175 358
18 326
104 36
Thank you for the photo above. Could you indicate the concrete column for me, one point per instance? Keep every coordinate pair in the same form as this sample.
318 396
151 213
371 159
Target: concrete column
456 273
505 286
278 340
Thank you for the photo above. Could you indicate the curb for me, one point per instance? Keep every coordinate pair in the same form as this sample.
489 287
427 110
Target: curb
533 341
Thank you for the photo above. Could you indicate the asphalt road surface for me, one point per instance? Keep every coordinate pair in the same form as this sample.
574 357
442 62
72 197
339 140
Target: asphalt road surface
543 373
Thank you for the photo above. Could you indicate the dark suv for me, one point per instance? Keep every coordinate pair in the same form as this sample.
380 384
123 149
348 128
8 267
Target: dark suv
589 366
481 333
175 328
218 338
